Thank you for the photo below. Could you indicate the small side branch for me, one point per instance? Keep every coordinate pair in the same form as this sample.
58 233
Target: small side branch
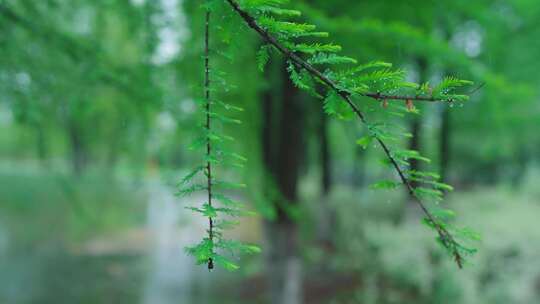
444 235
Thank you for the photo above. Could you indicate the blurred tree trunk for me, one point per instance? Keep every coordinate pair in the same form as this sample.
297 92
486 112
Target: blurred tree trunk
114 147
444 143
359 174
415 127
324 148
326 214
415 143
113 152
41 144
78 149
283 151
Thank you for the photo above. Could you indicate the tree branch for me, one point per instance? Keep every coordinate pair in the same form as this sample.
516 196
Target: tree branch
446 238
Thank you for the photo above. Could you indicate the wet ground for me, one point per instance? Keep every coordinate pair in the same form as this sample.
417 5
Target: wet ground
144 264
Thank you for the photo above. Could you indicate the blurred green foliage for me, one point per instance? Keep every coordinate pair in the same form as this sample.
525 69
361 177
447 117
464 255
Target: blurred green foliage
98 98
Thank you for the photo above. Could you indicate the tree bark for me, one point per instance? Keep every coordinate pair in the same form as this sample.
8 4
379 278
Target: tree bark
283 151
324 148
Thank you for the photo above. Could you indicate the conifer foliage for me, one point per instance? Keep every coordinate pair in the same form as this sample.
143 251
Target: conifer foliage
312 63
213 248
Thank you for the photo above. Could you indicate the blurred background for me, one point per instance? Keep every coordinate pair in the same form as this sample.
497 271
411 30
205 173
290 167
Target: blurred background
97 113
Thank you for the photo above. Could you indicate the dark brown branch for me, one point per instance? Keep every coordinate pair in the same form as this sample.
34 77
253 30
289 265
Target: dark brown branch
208 127
311 69
387 97
445 236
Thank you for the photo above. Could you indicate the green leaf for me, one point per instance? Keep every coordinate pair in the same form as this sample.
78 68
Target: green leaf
227 185
226 224
365 141
190 190
312 34
224 118
386 184
443 214
423 174
335 106
422 192
284 27
324 58
236 246
315 48
280 11
409 154
206 210
229 107
202 251
370 65
468 233
449 84
263 56
301 80
225 263
191 175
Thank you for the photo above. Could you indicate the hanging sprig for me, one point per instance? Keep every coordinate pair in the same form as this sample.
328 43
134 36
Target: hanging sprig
208 128
376 80
211 249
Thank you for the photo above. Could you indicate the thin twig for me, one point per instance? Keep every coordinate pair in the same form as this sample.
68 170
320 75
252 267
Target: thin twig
445 236
208 127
